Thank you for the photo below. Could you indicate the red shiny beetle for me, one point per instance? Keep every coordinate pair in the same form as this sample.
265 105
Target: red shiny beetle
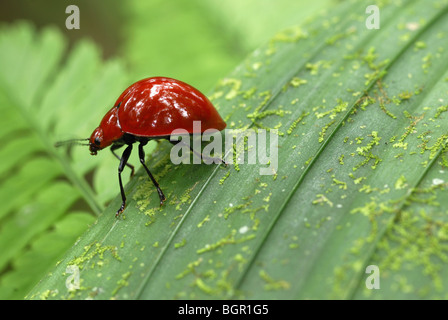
151 109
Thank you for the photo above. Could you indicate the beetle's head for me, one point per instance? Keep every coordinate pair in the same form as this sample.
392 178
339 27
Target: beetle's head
96 141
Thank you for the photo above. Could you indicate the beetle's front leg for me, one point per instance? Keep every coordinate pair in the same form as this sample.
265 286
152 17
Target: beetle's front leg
124 159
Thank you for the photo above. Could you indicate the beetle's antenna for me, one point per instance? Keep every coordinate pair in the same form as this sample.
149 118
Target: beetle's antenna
71 142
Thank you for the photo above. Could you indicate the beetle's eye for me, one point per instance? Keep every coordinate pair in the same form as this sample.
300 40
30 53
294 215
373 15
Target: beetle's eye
97 141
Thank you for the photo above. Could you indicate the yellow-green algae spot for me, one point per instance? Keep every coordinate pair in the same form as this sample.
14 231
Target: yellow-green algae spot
185 197
296 122
221 181
296 82
203 287
340 107
235 86
410 129
292 34
405 95
322 199
440 110
257 114
123 282
439 146
377 73
229 239
232 208
180 244
427 62
365 151
249 93
342 185
271 283
419 45
200 224
401 183
356 180
341 35
97 251
386 111
190 268
48 294
324 130
145 189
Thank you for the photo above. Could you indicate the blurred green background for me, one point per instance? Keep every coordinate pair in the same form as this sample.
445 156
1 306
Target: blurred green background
197 41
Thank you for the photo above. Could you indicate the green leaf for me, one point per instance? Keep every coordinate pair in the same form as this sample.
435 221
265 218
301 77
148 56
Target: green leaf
44 251
41 93
362 153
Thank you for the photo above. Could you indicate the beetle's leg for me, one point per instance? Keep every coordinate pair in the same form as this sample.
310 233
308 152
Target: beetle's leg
141 155
118 146
123 161
200 155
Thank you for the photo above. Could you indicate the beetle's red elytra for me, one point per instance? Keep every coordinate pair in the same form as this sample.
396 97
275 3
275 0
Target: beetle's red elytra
149 109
